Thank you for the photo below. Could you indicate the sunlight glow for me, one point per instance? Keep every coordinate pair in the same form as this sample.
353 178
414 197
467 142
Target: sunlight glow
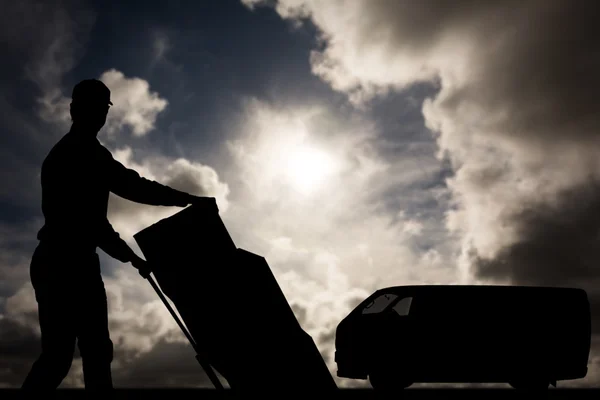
307 168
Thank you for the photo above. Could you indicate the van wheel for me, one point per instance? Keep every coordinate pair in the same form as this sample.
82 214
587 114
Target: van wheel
537 384
386 382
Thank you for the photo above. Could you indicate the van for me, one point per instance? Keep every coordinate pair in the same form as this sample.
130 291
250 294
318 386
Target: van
526 336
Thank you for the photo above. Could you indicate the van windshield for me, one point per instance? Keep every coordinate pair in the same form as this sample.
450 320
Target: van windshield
401 305
379 304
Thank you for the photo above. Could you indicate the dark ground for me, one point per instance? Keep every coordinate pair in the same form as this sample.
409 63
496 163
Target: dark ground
343 394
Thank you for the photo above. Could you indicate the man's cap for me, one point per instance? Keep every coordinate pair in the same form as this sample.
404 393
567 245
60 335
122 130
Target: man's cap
91 91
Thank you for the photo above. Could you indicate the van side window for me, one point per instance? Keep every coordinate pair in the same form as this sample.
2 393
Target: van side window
403 306
379 304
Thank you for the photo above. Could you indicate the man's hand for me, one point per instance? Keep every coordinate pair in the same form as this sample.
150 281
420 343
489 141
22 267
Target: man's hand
204 201
142 266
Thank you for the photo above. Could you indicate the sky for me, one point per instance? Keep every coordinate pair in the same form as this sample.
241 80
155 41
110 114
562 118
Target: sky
355 145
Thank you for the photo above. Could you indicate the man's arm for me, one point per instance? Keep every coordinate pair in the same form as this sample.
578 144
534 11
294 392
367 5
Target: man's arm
128 184
113 245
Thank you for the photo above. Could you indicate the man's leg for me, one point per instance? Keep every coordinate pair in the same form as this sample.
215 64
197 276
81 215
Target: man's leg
58 343
93 336
56 324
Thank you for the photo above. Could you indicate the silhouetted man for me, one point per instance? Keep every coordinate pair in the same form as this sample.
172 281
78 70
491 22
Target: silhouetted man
77 176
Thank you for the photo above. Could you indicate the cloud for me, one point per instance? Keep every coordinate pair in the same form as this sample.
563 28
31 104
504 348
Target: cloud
19 346
332 246
175 357
318 291
515 104
138 320
515 114
55 108
20 343
410 226
135 105
22 308
138 323
346 212
161 45
17 243
251 4
49 39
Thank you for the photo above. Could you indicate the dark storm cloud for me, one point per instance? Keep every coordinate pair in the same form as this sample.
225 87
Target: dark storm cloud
150 350
535 67
558 246
17 243
559 242
19 347
46 37
536 86
166 365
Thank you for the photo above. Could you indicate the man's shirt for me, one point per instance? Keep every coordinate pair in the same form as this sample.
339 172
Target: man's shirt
77 177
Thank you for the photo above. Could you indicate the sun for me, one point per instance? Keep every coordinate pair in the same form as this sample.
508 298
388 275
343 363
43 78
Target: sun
307 168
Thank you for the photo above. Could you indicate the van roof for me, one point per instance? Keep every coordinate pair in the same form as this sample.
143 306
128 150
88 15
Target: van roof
547 293
511 288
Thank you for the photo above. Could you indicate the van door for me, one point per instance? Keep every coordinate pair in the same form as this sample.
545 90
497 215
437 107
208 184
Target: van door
441 315
427 333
